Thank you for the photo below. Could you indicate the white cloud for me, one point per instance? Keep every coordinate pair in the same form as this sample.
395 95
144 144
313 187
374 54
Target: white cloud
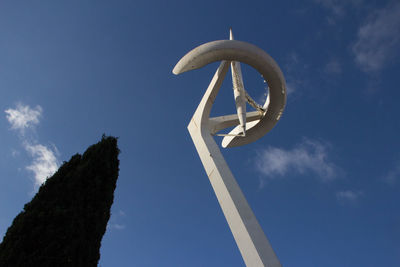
23 117
338 7
115 226
347 196
118 226
307 157
393 175
112 224
290 88
295 70
378 38
333 67
121 213
44 162
14 153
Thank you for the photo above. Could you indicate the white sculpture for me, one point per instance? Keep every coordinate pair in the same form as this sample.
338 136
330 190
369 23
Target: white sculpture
250 238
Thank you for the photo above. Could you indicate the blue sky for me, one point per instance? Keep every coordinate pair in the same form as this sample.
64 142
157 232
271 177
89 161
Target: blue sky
324 183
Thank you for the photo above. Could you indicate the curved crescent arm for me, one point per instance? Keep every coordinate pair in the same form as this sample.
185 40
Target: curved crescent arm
233 50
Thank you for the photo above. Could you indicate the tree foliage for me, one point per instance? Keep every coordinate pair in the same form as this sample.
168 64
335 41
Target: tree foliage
64 223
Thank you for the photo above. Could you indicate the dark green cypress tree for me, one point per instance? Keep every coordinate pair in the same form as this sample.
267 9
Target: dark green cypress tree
64 223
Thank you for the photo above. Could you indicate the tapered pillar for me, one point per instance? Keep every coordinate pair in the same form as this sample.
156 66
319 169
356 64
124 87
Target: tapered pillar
250 238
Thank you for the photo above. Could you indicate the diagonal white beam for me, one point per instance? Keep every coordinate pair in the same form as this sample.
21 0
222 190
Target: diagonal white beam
250 238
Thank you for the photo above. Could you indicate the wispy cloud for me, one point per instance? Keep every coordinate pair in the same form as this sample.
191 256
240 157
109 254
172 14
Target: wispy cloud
44 160
378 38
393 175
294 69
333 67
307 157
114 224
290 88
121 213
23 117
335 6
14 153
338 7
348 196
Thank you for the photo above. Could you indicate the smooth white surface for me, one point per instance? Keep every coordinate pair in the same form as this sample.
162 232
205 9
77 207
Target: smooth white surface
233 50
238 91
249 236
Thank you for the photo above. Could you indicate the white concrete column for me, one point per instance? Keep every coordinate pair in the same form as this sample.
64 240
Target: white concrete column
250 238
